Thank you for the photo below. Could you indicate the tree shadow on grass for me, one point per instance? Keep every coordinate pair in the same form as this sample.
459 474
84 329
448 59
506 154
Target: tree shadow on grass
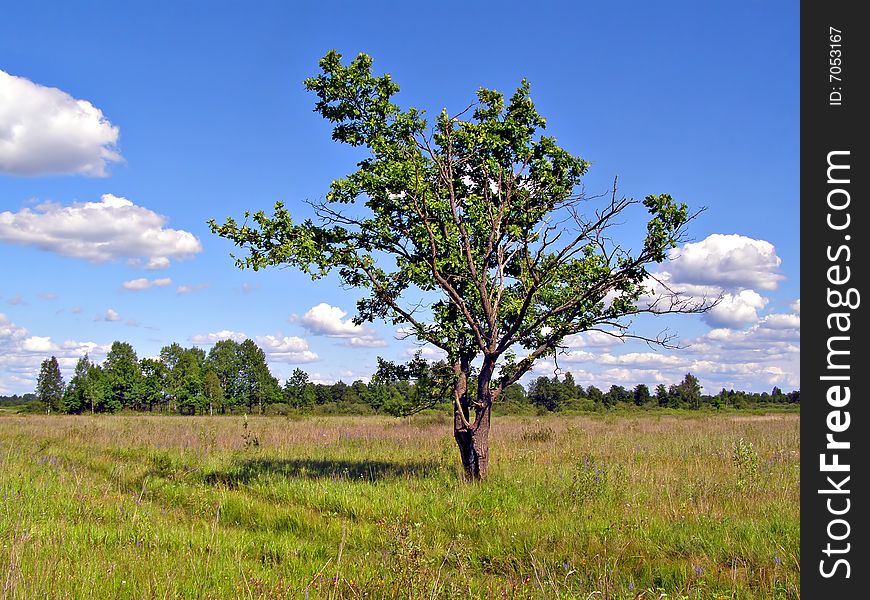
245 471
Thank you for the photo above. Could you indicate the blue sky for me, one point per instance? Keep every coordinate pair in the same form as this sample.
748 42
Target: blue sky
125 126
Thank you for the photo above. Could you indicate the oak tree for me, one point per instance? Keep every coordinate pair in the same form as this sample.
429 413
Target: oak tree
483 217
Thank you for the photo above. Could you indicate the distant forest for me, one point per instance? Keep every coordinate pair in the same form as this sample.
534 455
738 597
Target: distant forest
233 378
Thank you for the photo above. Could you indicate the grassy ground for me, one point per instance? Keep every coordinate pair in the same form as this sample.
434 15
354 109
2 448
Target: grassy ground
371 507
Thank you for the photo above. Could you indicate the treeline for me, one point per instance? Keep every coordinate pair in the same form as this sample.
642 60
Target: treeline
16 400
554 394
233 377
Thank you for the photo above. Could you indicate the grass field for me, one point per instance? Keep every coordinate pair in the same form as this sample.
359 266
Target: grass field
370 507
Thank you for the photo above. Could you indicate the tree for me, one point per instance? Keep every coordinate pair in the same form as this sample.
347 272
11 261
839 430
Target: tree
214 393
257 385
153 383
689 391
662 396
595 394
298 391
224 359
78 395
124 377
49 385
641 394
187 380
617 393
481 214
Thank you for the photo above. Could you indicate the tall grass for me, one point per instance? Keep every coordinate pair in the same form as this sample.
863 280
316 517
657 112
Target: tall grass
370 507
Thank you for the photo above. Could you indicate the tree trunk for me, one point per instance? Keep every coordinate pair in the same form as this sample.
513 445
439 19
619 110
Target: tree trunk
473 438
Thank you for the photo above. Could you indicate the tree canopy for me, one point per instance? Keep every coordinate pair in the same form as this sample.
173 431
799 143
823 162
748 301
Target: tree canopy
482 208
481 214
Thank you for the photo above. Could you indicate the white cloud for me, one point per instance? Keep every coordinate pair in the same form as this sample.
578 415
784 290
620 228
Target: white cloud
766 353
736 310
152 264
9 330
782 322
642 360
796 306
328 320
730 261
186 289
16 300
428 352
111 315
214 337
100 231
324 319
143 283
38 344
592 339
278 348
366 342
287 349
21 355
45 131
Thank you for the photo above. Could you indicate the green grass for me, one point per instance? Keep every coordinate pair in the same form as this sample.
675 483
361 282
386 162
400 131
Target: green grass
371 507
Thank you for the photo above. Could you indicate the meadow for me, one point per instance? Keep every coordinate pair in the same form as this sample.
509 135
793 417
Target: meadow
612 507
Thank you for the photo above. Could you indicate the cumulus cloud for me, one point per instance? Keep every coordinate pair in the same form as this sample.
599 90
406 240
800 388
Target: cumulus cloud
217 336
278 348
287 349
45 131
736 310
764 354
111 315
329 321
9 330
100 231
22 353
730 261
592 339
143 283
38 344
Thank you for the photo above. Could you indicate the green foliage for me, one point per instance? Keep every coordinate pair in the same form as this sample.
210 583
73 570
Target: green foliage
154 374
431 385
745 459
590 479
49 385
123 378
212 390
80 392
185 380
641 394
480 207
689 391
